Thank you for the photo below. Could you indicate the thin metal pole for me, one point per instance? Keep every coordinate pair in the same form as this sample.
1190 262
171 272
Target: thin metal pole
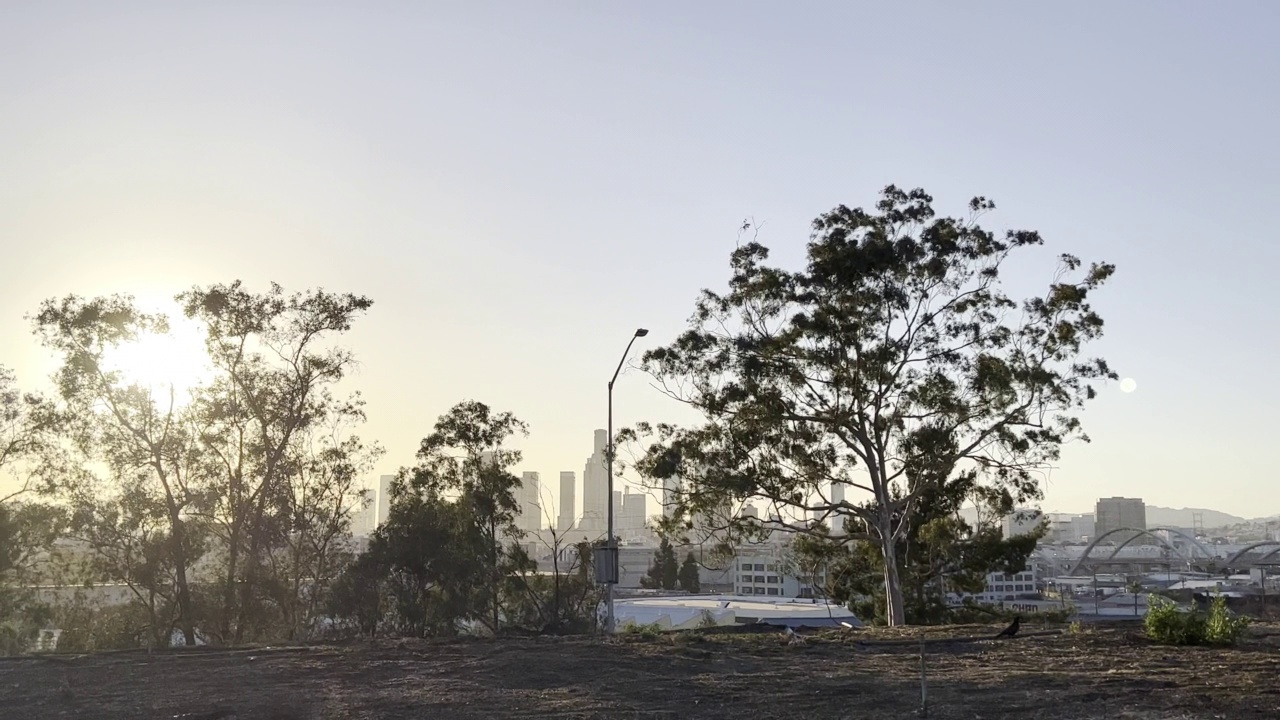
609 542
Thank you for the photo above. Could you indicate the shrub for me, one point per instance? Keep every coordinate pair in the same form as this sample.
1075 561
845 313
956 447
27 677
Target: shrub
648 630
1166 623
1223 628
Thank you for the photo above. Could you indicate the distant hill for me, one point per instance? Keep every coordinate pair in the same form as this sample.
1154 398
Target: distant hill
1183 517
1163 517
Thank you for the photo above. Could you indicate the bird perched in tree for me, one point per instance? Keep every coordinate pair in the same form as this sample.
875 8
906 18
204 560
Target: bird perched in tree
1012 629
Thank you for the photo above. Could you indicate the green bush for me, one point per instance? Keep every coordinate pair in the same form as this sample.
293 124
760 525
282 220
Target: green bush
1165 623
648 630
1223 628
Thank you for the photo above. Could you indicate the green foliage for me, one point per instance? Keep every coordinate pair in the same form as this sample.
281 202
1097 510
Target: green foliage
27 528
465 457
645 630
356 597
445 558
664 571
254 474
689 580
1166 623
1222 627
892 364
90 628
937 553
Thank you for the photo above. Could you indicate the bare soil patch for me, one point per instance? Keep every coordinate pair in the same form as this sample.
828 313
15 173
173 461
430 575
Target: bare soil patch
1103 672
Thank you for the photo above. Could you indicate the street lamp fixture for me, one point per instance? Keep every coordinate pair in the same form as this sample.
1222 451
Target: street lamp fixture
611 542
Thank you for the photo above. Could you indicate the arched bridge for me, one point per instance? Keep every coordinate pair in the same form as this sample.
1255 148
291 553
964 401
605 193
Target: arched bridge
1136 533
1244 551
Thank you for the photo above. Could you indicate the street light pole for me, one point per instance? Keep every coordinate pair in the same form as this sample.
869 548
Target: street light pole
612 542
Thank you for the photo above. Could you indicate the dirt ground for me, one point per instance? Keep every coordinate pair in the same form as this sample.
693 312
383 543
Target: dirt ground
1101 672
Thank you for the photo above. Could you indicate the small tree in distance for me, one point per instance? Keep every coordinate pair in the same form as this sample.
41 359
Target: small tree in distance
689 581
664 572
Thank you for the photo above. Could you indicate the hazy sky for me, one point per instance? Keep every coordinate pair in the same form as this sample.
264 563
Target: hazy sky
519 185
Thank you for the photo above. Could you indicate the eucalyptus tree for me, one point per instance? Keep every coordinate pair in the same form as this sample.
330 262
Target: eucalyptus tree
891 365
276 365
138 481
27 528
466 458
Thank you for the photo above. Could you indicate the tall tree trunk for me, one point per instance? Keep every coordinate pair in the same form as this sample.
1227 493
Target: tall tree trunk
180 571
894 606
493 536
246 590
895 610
229 590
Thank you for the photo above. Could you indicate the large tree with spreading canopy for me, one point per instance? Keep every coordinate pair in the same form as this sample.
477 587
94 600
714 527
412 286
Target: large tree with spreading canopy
890 367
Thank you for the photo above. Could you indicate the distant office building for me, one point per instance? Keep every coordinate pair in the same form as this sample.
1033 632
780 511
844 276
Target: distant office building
364 519
749 511
568 501
617 510
1069 528
383 499
530 516
1119 512
1084 527
630 514
670 495
765 569
1023 521
595 487
836 522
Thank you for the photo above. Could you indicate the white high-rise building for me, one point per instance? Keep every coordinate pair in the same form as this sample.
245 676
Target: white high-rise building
365 519
595 487
837 497
383 499
370 517
631 514
530 516
568 501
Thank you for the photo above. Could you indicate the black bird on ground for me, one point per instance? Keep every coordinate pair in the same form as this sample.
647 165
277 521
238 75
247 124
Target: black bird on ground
1012 629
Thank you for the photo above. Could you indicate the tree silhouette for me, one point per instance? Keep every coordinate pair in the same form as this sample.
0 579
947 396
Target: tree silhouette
891 365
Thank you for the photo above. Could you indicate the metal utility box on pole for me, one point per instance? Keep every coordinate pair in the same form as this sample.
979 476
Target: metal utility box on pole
606 565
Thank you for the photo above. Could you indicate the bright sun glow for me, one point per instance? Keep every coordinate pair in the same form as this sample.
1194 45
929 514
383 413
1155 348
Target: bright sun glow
158 361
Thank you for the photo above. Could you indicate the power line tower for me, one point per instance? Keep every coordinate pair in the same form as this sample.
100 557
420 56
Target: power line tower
1197 522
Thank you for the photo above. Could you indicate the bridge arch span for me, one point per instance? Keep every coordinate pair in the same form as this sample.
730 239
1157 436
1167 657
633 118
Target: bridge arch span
1138 532
1250 548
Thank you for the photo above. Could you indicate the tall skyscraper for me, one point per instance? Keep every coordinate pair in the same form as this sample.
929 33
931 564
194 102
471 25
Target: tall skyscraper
383 499
595 482
530 517
568 501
